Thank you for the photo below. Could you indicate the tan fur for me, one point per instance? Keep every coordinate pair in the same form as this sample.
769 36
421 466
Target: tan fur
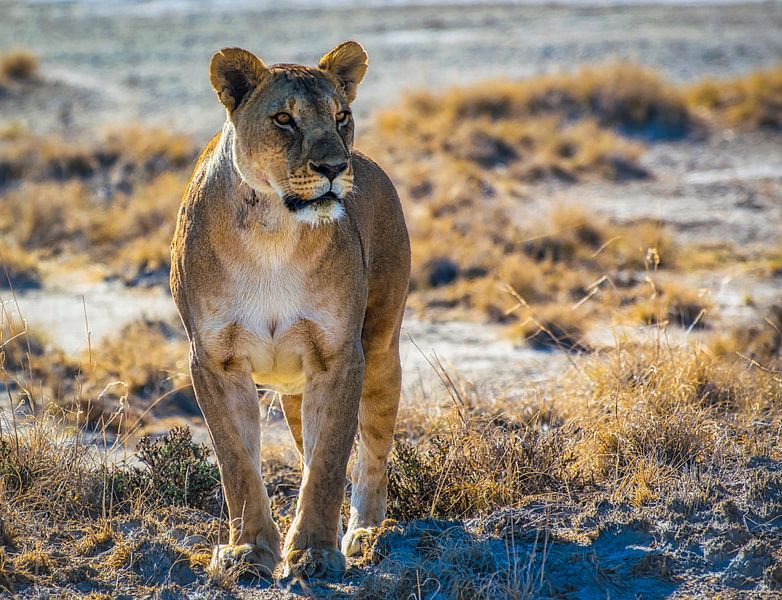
304 295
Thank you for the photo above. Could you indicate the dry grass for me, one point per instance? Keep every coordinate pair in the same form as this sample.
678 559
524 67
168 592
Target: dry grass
462 159
466 259
626 96
750 102
16 66
623 426
630 423
116 162
114 201
130 234
673 303
121 385
70 519
19 269
26 156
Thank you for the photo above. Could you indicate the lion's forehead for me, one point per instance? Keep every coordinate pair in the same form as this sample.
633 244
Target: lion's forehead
302 83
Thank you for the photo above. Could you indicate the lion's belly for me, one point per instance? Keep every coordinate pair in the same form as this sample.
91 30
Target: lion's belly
276 362
287 383
276 366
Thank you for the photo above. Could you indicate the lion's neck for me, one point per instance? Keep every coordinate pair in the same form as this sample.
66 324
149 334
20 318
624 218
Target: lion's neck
253 208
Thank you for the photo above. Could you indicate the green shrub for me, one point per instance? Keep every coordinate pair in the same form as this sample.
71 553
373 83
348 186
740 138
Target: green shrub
175 471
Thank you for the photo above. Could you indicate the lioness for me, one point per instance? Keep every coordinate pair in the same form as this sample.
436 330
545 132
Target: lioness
289 268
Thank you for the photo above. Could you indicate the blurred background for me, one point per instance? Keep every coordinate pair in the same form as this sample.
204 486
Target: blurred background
146 60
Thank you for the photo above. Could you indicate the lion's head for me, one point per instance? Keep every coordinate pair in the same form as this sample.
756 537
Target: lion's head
293 124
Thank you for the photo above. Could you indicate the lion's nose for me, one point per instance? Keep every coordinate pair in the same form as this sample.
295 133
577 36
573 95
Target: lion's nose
330 171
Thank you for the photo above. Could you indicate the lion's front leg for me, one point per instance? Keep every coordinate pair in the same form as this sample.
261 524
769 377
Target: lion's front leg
329 419
377 416
229 401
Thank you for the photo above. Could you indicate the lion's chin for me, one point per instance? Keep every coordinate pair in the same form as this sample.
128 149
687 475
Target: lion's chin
318 211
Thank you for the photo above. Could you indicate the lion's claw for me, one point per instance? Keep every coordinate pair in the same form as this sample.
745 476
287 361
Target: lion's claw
315 563
253 558
356 541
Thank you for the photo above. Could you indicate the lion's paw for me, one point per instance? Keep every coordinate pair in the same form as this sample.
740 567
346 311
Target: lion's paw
315 563
356 541
253 559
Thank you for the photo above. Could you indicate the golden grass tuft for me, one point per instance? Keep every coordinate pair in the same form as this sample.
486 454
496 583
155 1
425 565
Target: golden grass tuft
676 304
27 156
130 235
623 95
749 102
552 327
471 260
18 65
156 150
19 269
123 157
121 385
631 422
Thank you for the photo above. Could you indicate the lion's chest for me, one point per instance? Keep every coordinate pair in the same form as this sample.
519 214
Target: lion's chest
267 305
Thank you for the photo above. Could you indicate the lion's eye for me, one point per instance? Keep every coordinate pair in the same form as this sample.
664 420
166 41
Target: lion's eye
282 118
343 116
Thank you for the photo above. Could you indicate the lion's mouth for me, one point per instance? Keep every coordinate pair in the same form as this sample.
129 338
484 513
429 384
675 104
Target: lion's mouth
326 197
296 203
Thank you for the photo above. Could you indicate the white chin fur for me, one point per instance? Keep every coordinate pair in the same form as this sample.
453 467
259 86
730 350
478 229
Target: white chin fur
320 214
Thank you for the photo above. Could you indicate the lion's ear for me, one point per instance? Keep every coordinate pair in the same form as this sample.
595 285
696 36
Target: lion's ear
348 63
234 74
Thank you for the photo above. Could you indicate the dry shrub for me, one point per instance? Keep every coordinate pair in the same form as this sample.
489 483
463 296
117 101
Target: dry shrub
18 65
19 269
474 468
27 156
175 471
630 423
118 161
131 234
676 304
652 414
151 151
750 102
46 217
134 233
573 235
77 519
138 154
470 260
552 327
136 376
629 97
125 382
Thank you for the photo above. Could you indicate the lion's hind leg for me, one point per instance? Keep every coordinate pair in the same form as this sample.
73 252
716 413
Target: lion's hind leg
291 408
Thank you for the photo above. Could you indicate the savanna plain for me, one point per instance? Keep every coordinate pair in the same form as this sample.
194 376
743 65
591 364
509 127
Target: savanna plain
592 402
